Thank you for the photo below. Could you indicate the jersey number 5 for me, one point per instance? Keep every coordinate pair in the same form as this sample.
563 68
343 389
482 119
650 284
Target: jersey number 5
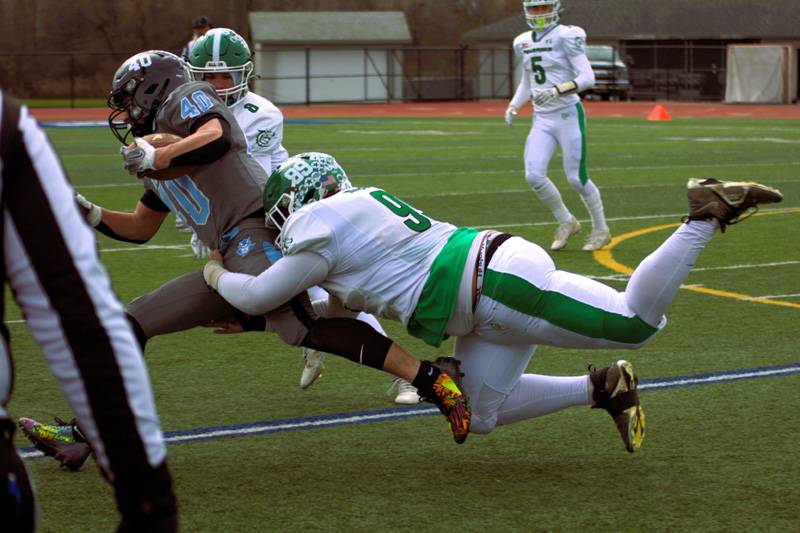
415 220
540 76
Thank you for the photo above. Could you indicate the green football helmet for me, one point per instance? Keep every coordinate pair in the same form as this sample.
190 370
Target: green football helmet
225 51
301 180
542 21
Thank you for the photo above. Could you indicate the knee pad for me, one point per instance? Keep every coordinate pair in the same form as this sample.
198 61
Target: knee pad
482 426
537 181
484 409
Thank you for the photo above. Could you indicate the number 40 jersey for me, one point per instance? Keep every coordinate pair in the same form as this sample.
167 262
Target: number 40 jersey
217 196
378 248
547 59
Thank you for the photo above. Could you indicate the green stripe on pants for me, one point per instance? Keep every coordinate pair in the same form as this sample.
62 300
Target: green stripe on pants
583 174
563 311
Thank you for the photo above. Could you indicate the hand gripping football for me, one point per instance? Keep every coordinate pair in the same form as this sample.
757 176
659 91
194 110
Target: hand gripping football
159 140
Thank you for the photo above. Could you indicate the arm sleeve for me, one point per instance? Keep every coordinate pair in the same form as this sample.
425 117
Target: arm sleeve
76 319
151 200
208 153
575 47
256 295
584 75
523 93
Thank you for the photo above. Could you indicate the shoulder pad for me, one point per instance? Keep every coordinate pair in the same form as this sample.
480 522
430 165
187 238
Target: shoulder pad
572 31
303 231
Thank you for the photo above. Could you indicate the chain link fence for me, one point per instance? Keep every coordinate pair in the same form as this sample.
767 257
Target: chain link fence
674 72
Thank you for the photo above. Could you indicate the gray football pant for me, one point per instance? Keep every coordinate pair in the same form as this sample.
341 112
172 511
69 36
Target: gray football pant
186 301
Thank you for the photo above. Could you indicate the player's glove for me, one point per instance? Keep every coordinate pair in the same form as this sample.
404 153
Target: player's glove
91 212
138 158
199 249
544 96
511 112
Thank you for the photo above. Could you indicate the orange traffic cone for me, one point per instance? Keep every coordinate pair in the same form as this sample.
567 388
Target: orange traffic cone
659 112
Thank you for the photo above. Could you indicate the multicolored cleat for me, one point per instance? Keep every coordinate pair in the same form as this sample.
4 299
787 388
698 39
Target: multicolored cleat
449 398
615 391
60 440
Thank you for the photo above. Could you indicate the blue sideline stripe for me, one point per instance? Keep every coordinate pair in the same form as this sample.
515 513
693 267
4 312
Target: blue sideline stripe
74 124
399 413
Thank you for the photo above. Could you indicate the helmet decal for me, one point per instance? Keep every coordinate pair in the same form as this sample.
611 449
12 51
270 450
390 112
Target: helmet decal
301 180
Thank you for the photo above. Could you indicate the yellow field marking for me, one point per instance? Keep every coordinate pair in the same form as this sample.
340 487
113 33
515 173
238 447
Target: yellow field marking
606 258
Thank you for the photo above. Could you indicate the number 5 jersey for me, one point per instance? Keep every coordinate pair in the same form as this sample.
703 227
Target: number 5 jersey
549 58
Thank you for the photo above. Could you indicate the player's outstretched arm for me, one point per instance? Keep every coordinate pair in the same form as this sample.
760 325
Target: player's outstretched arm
256 295
136 227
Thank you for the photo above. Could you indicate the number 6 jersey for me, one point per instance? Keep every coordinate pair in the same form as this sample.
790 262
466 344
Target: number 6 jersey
217 196
378 248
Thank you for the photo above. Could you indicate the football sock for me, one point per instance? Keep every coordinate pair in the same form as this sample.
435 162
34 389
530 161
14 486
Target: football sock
550 197
658 277
535 395
590 195
426 377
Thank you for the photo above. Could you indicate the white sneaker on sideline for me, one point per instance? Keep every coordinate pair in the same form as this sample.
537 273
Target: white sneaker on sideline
564 231
315 362
406 392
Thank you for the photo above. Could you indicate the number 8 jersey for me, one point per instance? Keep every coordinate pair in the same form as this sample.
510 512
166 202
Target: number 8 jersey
216 196
378 248
547 59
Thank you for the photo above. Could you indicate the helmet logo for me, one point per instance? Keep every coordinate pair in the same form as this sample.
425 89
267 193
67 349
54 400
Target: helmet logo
140 63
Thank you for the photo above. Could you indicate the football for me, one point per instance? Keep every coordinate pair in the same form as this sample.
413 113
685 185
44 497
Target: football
159 140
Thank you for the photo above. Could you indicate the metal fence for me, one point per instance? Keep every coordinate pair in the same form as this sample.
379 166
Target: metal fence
675 72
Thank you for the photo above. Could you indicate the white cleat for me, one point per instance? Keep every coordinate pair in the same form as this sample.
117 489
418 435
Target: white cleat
564 231
181 225
406 392
315 362
596 240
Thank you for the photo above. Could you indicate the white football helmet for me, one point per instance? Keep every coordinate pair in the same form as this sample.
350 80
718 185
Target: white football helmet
542 21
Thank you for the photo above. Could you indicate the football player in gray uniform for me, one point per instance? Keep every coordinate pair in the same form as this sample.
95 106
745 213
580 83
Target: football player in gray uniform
221 198
222 58
499 295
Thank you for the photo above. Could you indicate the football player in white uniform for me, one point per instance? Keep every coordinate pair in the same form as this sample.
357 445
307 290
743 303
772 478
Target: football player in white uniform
500 295
554 70
222 58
